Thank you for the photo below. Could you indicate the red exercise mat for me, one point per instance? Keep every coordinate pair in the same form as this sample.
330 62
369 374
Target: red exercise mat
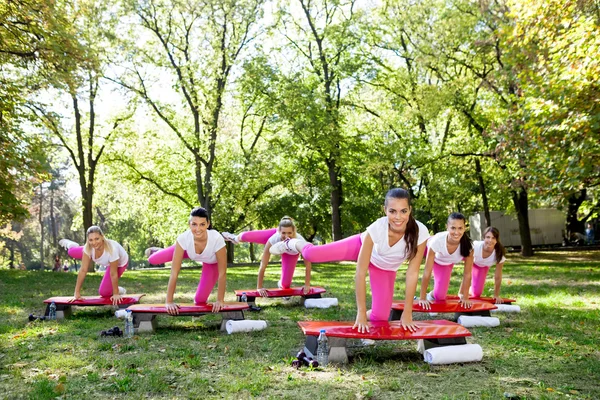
294 291
447 306
94 300
186 308
384 330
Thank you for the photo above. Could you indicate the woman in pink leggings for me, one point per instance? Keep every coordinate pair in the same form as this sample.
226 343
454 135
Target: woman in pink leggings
104 252
444 250
379 251
486 253
270 237
199 243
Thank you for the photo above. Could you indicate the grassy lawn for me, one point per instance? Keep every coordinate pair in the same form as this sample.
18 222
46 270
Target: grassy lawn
550 350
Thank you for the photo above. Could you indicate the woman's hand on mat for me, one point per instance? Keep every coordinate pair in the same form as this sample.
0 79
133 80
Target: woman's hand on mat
465 303
218 305
76 297
172 308
361 323
263 292
407 323
306 289
116 299
425 304
498 300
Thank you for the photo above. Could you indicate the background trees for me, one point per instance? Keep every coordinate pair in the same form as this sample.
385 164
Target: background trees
257 109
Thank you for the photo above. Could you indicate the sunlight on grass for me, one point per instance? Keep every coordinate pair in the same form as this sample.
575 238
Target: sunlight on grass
552 344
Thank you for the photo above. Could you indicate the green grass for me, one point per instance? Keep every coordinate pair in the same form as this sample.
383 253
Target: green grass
550 350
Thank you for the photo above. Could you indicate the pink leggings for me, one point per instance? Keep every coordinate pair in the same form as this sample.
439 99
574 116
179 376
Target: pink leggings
106 288
478 280
381 281
441 280
208 277
288 261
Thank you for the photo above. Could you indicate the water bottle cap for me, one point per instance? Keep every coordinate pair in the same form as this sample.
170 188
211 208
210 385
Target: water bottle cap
243 292
128 310
322 331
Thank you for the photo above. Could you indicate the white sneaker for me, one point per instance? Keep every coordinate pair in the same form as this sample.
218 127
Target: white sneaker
67 244
151 250
430 297
230 237
280 286
122 290
367 342
287 246
277 249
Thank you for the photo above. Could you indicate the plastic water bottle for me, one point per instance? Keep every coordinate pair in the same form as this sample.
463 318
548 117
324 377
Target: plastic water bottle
52 311
244 298
129 325
322 349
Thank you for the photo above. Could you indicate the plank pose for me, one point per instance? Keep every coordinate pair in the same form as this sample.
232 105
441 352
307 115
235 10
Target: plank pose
104 252
271 237
486 253
199 243
386 244
444 250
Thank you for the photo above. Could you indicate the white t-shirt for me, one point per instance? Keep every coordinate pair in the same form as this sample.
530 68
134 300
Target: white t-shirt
277 238
386 257
105 259
214 243
478 256
437 243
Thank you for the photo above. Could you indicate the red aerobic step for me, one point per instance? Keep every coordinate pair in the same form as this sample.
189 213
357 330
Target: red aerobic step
294 291
94 300
187 308
384 330
447 306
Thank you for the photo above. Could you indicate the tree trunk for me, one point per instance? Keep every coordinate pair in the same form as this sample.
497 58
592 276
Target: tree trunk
486 206
11 248
230 252
41 220
53 220
573 223
335 198
252 255
519 197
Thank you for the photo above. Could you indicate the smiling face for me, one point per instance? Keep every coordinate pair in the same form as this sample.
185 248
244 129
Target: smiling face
286 232
489 241
199 226
96 240
397 212
456 230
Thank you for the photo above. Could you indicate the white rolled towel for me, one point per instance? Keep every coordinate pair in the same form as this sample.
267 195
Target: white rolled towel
507 308
453 354
469 321
245 325
321 303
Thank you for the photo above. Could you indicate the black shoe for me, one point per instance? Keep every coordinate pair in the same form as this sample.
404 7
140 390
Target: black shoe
254 308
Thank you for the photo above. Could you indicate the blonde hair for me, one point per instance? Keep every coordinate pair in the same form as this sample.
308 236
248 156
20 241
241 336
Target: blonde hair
88 249
287 222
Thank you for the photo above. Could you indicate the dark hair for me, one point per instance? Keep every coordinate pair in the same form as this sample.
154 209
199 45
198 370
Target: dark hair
411 235
201 212
498 248
465 241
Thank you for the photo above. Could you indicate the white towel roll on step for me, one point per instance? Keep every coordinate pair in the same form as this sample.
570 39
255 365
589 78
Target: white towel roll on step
507 308
321 303
453 354
245 325
469 321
